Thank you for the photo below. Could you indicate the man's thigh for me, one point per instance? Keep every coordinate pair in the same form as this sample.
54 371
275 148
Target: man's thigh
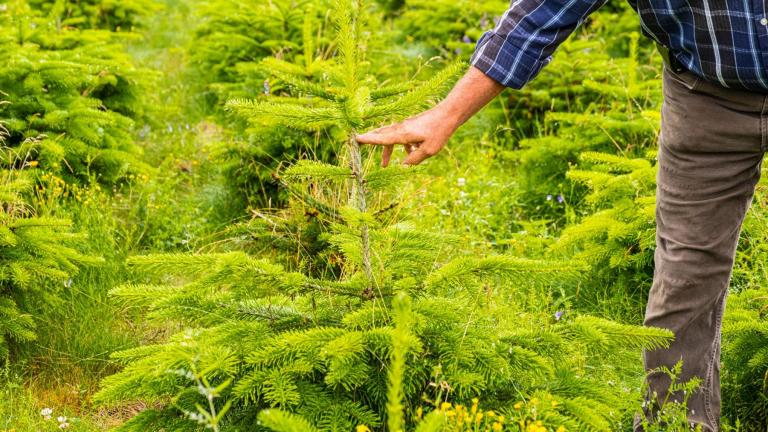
710 148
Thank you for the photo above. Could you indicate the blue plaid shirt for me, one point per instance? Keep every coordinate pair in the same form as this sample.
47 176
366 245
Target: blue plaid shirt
723 41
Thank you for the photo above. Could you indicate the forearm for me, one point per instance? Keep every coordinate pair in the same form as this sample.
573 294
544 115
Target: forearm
425 134
509 56
470 94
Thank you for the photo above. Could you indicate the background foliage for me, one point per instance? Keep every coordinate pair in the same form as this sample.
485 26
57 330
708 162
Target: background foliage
191 240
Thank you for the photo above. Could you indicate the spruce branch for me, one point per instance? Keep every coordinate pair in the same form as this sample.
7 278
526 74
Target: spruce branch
605 335
403 318
388 91
615 163
305 86
509 268
286 114
282 421
327 210
433 422
390 177
308 169
419 97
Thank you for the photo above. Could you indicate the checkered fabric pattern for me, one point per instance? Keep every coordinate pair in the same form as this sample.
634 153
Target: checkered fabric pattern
723 41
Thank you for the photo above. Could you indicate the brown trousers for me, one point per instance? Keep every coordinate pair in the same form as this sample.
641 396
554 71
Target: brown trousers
710 150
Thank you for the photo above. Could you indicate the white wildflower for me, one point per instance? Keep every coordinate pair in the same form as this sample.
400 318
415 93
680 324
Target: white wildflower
46 413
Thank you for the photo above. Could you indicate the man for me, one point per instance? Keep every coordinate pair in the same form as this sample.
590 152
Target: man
713 134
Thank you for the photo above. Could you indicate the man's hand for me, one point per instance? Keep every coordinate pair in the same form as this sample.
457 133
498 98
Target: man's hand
427 133
422 136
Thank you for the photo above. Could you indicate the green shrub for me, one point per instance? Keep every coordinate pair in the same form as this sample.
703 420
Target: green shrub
251 163
618 240
71 97
745 359
113 15
232 38
593 103
445 27
38 257
745 325
616 236
230 44
261 335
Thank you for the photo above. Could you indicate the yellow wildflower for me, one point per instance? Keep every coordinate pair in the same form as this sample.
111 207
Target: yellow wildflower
362 428
518 405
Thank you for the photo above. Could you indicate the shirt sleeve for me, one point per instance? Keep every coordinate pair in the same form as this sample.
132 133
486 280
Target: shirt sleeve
526 36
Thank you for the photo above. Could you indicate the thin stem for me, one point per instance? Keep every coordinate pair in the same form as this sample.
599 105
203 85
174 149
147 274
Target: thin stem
214 423
359 198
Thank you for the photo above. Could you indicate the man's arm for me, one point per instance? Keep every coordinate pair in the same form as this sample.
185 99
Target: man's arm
426 134
508 56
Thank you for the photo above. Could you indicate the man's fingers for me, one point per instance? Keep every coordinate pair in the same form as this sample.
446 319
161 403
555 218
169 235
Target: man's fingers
386 155
382 136
418 155
388 135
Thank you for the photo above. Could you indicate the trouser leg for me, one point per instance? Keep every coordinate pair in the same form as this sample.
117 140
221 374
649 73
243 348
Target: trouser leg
710 149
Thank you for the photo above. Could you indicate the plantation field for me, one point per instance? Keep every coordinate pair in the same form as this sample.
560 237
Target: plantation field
192 239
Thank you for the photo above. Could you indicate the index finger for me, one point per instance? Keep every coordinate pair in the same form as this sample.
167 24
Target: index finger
388 135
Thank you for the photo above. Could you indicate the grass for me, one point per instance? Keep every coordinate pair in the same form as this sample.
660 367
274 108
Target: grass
168 210
22 406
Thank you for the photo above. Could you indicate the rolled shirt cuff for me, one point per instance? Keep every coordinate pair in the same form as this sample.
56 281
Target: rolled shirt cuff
504 62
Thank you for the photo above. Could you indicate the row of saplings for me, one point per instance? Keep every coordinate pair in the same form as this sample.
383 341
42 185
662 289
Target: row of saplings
370 341
373 341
